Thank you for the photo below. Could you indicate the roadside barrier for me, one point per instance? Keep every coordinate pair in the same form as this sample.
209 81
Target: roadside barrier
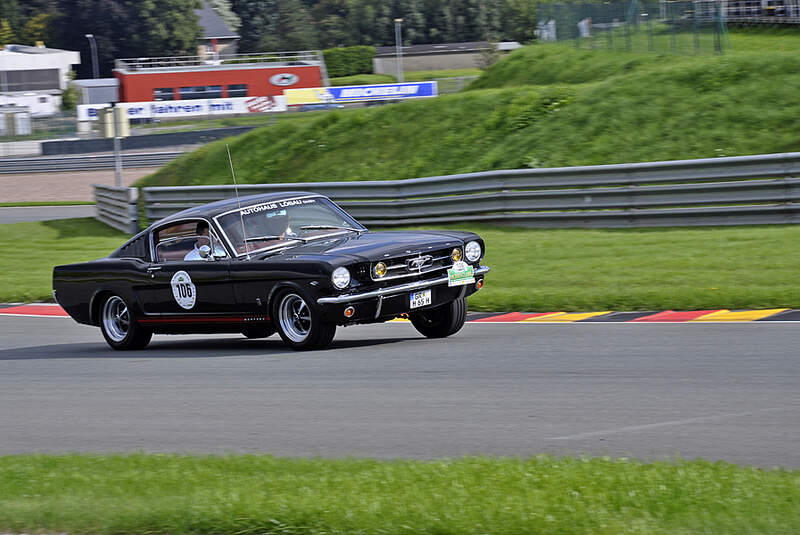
116 207
84 163
741 190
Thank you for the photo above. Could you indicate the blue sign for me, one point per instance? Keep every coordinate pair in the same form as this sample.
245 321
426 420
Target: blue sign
383 92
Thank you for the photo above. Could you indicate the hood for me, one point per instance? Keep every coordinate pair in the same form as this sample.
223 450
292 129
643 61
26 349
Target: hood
373 246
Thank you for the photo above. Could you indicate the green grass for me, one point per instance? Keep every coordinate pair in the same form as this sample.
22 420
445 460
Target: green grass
570 270
363 79
645 269
45 203
543 106
248 495
30 250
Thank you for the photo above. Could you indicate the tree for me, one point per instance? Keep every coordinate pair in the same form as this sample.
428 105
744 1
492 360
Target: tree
6 33
38 28
165 27
259 18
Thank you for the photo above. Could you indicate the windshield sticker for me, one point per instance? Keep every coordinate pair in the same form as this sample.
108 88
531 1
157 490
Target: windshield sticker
274 205
183 290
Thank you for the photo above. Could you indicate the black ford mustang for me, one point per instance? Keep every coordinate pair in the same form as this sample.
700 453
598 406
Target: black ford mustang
292 262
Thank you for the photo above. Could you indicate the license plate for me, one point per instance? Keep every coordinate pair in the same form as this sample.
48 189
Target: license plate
420 299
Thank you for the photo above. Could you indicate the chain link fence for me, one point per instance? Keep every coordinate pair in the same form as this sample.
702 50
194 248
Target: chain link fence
664 27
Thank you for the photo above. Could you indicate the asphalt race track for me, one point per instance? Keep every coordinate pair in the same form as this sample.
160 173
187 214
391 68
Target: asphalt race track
718 391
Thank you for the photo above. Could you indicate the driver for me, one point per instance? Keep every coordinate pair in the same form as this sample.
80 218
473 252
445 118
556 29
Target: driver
203 239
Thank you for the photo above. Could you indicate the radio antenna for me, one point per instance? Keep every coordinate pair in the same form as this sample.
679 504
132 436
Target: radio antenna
238 202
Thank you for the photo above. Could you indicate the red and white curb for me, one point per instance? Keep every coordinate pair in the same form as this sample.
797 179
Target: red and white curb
52 310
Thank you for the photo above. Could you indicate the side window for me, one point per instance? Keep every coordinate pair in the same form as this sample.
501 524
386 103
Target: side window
181 242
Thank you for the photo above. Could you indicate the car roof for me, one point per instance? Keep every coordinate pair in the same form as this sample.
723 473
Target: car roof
216 208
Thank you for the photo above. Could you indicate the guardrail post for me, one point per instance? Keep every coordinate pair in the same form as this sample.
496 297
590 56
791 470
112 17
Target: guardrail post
117 207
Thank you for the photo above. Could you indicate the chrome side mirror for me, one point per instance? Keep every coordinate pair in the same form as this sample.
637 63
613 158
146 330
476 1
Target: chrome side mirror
204 251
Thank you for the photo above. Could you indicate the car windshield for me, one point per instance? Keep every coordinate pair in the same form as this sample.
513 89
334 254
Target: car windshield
276 224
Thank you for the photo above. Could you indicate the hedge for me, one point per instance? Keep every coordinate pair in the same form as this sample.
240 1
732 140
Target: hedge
349 60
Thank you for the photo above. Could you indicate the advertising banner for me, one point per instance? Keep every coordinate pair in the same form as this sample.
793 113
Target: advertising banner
359 93
174 109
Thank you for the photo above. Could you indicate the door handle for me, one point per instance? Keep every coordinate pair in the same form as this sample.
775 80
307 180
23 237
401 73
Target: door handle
153 269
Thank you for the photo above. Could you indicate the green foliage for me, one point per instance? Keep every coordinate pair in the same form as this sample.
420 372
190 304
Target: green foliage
69 98
38 28
259 494
225 11
349 60
6 33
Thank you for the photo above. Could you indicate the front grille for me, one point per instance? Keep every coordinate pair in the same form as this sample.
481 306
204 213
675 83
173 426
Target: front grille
420 264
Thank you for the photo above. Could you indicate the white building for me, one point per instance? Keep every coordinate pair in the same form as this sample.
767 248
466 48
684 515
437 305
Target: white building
35 76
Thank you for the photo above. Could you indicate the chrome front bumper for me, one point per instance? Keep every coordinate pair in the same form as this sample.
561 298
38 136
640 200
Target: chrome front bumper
383 292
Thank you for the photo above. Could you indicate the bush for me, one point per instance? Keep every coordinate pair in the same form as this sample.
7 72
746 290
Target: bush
348 61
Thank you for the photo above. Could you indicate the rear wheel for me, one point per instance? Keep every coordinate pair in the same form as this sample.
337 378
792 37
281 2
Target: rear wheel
441 321
119 326
298 322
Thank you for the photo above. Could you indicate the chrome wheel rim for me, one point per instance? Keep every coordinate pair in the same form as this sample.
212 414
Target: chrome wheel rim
116 318
294 316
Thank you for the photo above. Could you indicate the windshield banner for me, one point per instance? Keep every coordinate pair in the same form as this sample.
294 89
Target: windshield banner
172 109
358 93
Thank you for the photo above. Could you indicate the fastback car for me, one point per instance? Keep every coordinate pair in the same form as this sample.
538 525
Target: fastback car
295 263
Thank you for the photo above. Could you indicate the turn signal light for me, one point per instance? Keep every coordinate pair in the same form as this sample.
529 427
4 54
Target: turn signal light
456 255
379 270
349 311
479 285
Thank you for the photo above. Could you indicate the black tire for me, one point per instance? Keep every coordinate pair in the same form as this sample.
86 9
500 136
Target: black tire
253 332
298 321
441 321
119 326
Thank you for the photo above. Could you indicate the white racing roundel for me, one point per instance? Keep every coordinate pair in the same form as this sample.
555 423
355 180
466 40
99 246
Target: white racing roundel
284 78
183 289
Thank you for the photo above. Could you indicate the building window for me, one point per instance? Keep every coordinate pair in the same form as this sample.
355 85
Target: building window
237 90
163 93
201 92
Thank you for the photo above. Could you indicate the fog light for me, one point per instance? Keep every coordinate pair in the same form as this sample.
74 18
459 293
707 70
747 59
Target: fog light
456 255
379 270
349 311
479 285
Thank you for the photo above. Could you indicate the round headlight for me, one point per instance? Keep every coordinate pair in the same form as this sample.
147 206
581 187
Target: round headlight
379 270
340 277
456 255
473 251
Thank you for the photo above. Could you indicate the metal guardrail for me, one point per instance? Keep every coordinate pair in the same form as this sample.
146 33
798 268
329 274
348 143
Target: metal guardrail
117 207
84 163
740 190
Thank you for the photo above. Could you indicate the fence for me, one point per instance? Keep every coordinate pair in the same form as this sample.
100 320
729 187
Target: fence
667 26
742 190
117 207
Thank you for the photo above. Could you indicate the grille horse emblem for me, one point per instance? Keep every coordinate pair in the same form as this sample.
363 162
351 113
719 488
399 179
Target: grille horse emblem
416 264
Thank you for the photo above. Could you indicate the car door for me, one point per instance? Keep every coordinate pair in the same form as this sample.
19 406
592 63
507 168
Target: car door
177 286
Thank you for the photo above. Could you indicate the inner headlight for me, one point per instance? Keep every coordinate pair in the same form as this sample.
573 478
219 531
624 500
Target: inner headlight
379 270
473 251
456 255
340 277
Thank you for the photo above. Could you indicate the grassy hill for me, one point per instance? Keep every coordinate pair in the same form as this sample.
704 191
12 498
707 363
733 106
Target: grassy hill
543 106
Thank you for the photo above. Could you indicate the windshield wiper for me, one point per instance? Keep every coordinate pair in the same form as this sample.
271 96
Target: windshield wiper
332 227
273 237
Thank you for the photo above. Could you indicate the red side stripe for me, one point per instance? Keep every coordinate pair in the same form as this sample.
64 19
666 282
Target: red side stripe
512 316
672 316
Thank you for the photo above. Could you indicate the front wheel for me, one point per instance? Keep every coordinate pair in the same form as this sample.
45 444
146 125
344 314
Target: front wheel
119 327
441 321
299 323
